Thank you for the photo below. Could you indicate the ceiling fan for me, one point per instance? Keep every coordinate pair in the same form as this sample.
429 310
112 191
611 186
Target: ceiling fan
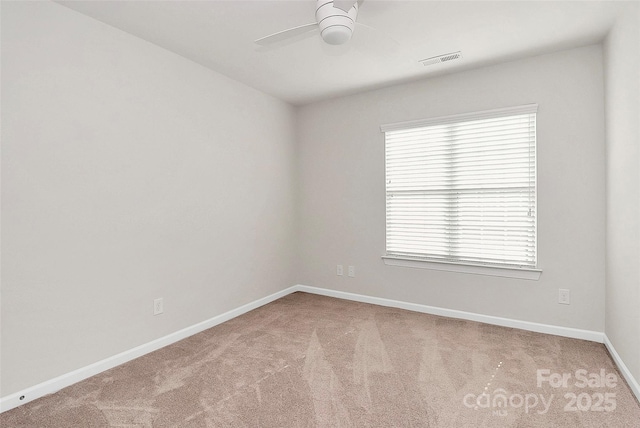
335 20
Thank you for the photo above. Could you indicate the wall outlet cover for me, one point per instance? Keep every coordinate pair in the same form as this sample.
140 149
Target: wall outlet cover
158 306
564 296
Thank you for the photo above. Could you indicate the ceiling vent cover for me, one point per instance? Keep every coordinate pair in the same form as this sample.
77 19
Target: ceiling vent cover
441 58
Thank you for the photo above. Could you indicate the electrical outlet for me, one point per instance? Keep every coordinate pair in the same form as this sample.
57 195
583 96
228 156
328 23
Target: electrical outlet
339 270
564 296
352 271
158 306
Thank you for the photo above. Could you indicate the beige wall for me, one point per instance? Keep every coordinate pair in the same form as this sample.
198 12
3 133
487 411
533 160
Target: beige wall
622 83
128 173
341 198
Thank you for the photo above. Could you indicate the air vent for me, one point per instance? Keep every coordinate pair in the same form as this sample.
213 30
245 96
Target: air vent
441 58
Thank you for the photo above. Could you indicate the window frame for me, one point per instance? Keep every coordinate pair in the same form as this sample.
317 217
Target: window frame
503 270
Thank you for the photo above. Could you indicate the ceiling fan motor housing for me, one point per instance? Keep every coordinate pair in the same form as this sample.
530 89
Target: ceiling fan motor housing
336 25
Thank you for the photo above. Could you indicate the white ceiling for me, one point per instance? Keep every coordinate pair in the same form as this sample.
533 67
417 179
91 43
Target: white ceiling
220 35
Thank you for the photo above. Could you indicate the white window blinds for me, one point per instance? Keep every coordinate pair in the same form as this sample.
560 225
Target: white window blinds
462 188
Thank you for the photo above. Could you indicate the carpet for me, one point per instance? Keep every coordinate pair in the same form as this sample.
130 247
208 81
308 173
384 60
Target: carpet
313 361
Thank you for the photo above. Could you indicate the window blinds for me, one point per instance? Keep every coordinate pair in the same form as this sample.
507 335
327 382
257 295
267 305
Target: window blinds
462 188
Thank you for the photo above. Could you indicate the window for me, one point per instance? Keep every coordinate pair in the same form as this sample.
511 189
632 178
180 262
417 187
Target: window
462 189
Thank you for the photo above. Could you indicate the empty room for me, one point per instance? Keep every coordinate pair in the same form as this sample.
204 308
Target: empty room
323 213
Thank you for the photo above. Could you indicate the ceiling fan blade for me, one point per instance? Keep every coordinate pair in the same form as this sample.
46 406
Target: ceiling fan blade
381 33
285 34
377 43
344 4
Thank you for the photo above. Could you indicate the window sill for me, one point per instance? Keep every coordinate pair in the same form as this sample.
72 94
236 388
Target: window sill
506 272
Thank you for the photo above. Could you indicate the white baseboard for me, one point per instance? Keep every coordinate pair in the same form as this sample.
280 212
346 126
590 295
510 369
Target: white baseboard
633 383
593 336
55 384
50 386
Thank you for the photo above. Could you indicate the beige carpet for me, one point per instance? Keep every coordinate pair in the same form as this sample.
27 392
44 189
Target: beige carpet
312 361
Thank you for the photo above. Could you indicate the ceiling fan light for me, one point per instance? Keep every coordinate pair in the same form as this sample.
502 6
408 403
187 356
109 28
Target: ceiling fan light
336 25
336 34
